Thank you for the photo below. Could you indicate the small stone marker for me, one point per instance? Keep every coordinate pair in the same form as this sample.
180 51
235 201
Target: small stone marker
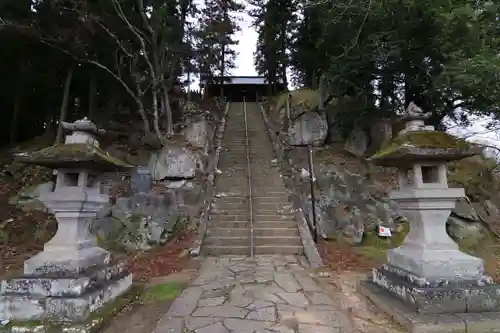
141 180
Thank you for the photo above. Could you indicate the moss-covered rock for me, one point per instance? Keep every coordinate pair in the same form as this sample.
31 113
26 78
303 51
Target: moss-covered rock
476 175
308 98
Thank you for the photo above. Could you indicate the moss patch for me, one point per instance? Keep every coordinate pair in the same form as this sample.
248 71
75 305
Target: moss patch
62 154
162 292
94 323
307 97
422 139
375 248
372 239
372 253
477 175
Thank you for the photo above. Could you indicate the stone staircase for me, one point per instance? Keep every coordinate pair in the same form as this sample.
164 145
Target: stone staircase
275 228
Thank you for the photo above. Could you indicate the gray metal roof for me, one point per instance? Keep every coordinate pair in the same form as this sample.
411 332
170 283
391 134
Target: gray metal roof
240 79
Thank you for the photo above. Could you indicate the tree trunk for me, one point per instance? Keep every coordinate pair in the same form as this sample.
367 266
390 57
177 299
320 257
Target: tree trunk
92 94
17 105
156 126
142 112
64 104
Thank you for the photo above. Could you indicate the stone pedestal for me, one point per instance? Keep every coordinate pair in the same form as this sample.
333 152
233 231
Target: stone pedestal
429 272
72 277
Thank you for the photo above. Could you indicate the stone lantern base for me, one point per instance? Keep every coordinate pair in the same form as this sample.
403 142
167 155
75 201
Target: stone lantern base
462 296
403 312
62 298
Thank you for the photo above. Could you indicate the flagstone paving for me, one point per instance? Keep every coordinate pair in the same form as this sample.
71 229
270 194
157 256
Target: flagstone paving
265 294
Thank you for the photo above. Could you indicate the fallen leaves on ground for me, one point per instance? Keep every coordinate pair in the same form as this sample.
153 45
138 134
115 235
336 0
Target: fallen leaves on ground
163 260
343 257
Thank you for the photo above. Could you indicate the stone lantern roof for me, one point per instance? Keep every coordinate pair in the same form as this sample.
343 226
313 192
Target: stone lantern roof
418 142
80 151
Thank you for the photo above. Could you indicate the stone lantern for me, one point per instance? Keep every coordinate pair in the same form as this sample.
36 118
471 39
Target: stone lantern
72 276
428 272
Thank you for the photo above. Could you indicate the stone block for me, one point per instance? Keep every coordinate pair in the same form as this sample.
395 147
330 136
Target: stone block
55 286
451 297
407 317
483 299
66 263
68 308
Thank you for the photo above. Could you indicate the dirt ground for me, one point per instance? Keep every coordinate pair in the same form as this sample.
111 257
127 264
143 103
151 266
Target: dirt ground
347 266
142 317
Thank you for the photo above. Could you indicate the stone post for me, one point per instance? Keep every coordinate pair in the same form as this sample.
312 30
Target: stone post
72 276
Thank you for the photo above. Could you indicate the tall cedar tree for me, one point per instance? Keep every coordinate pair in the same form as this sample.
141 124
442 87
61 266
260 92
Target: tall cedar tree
215 42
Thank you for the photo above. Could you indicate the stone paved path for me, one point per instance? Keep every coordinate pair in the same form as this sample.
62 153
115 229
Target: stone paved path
266 294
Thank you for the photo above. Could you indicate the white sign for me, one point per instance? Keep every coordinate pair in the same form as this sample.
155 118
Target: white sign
384 231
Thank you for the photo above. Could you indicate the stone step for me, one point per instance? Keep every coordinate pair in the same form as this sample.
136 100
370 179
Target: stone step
264 201
210 250
242 217
258 241
277 240
264 217
272 249
229 224
275 224
242 209
230 200
245 250
228 207
256 224
258 232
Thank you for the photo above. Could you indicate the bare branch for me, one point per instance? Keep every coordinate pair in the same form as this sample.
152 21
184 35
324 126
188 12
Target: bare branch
95 63
145 21
115 38
144 52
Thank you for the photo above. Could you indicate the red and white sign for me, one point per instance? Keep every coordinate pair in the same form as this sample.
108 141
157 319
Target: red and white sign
384 231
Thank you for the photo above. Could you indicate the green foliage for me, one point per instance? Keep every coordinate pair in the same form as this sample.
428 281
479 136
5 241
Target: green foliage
275 20
126 55
443 55
215 37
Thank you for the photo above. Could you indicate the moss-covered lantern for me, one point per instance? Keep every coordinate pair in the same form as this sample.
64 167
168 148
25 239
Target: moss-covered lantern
428 268
72 271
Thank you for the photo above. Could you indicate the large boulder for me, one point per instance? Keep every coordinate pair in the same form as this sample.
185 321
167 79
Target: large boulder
175 162
357 143
348 205
190 195
309 128
466 232
28 198
199 133
380 132
471 222
139 222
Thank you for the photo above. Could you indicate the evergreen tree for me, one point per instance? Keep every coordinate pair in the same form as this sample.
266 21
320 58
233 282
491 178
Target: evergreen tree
218 25
275 21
